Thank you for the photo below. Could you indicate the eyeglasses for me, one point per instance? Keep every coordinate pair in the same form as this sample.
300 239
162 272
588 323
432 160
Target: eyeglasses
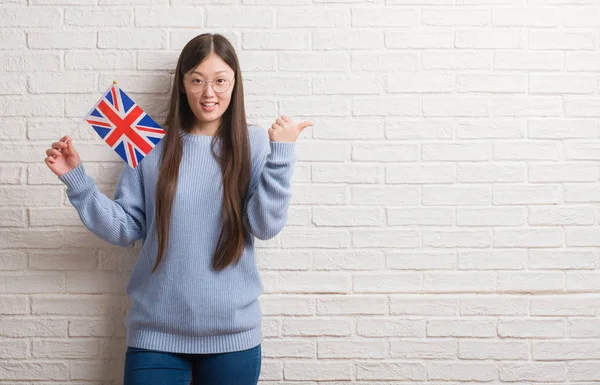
219 85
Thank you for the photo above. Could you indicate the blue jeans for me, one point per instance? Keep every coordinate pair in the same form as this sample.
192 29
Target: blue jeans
151 367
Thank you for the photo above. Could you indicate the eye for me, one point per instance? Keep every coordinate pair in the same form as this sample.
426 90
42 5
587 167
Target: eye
221 80
197 81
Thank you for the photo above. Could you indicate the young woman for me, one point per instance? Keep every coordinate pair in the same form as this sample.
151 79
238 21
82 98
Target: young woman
197 200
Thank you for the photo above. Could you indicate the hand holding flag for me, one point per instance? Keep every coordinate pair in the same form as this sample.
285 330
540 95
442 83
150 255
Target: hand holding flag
62 157
121 123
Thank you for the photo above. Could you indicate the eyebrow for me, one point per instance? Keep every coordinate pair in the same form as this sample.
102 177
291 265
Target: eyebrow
218 72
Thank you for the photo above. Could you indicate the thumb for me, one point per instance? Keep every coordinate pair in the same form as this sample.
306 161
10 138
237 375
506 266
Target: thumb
70 146
303 125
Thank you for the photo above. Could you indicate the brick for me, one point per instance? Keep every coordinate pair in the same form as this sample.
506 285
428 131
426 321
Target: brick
562 259
317 238
385 152
10 39
18 327
530 106
419 82
494 305
547 40
347 259
435 216
562 128
317 282
128 38
534 371
276 40
326 371
456 195
289 348
247 17
356 39
461 328
272 305
491 83
451 282
568 305
525 282
531 328
339 216
391 195
30 283
321 61
98 17
528 61
493 216
418 129
14 304
418 40
105 60
71 39
12 218
65 348
490 172
170 17
79 305
456 60
352 348
62 83
386 238
34 371
385 370
316 327
455 17
422 173
347 305
416 350
14 349
527 17
309 17
343 129
462 371
456 106
29 17
538 237
433 238
490 39
385 17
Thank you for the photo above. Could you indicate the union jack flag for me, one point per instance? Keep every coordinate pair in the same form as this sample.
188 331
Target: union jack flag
124 126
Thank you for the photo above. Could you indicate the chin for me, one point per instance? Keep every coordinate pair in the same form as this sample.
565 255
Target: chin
209 118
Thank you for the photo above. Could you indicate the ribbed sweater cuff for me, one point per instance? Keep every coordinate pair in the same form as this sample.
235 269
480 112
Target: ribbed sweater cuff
282 150
76 179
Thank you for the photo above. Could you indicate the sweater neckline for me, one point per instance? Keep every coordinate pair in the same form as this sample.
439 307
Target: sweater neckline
197 138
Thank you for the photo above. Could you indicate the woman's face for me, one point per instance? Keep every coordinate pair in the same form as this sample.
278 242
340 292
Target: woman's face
207 104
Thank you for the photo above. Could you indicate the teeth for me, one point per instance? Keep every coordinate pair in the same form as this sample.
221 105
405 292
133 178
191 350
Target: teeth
208 104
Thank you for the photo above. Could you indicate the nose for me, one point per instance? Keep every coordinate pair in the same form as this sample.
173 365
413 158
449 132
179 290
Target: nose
208 90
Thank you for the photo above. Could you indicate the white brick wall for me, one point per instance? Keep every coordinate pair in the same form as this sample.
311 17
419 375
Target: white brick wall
443 227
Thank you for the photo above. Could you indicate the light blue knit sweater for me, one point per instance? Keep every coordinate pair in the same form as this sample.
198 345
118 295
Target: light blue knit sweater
185 306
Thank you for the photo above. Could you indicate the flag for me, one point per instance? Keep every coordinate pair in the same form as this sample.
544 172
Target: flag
124 126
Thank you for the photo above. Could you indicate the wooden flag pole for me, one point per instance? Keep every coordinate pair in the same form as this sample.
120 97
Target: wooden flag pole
85 116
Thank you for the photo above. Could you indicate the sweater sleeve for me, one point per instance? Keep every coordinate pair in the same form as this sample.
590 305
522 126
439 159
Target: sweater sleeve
121 221
268 198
